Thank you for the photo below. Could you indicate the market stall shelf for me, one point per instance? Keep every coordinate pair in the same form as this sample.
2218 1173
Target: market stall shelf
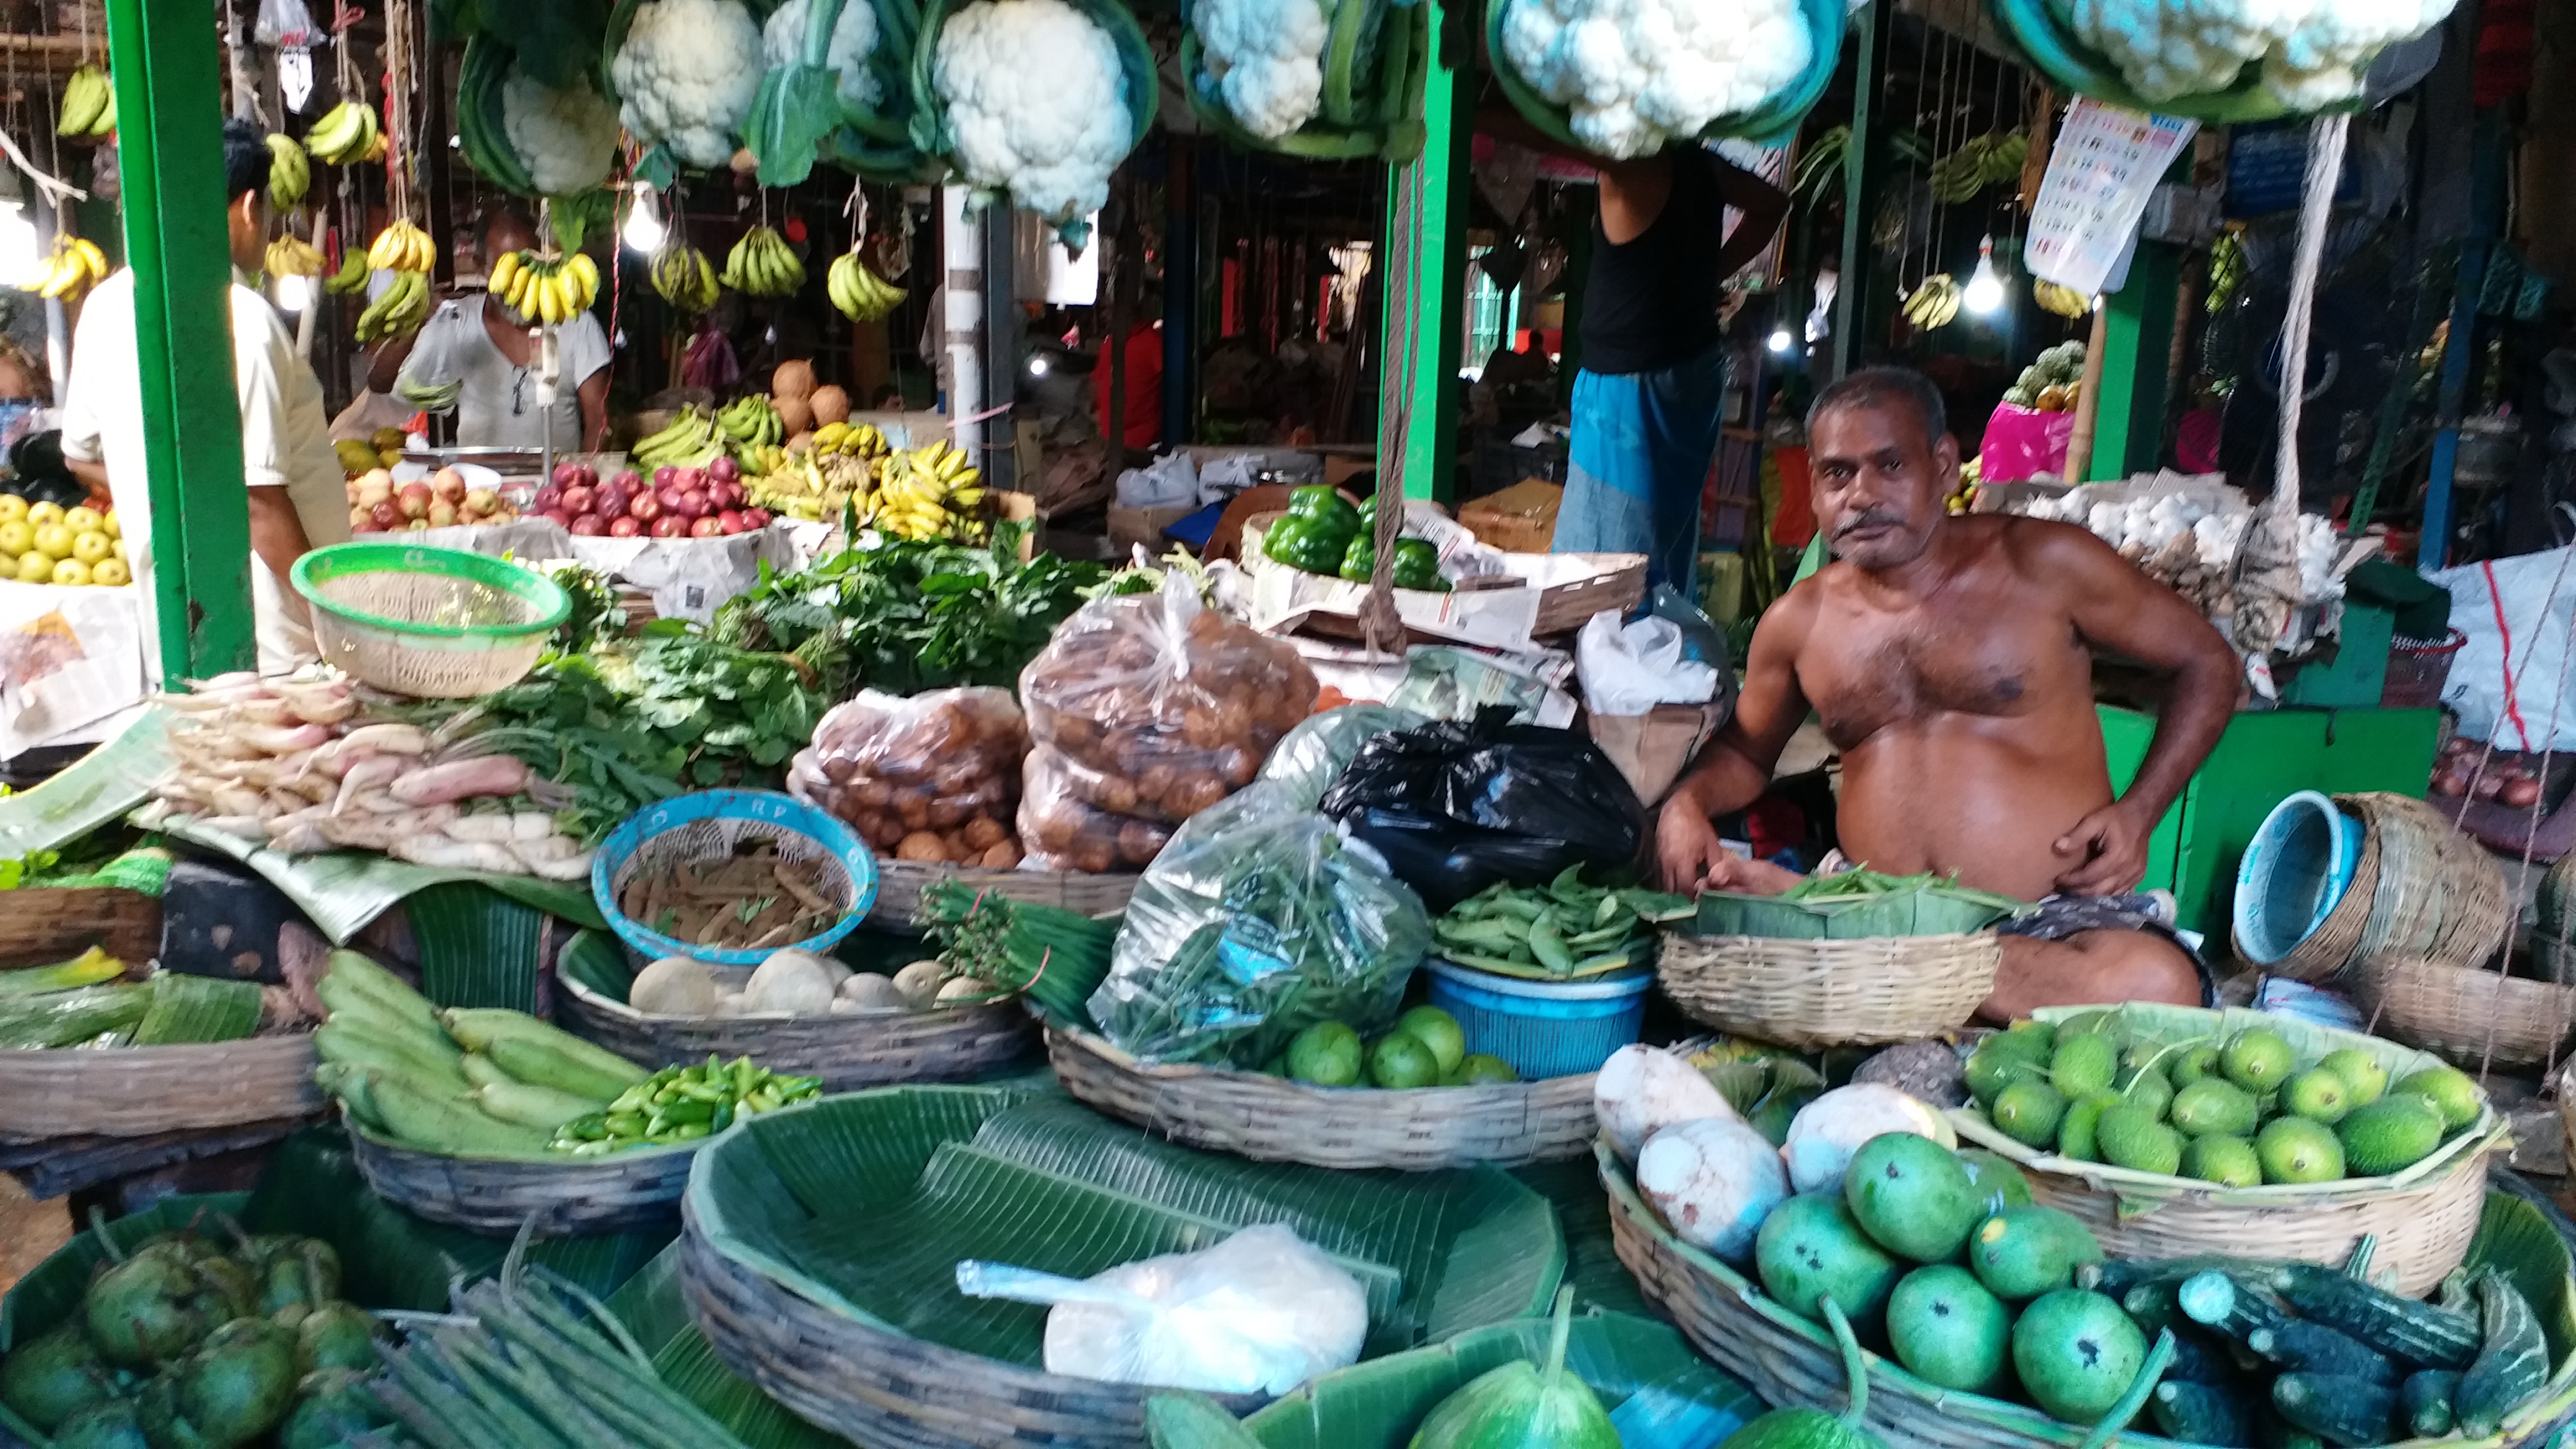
950 1044
574 1197
141 1091
901 884
1810 994
2423 1217
1273 1119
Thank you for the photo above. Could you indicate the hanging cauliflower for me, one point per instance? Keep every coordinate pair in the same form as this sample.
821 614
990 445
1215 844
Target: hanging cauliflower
566 139
687 74
2313 51
854 39
1636 74
1035 97
1267 59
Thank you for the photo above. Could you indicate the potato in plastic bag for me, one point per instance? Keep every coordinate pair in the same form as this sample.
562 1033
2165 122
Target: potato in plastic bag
932 778
1064 831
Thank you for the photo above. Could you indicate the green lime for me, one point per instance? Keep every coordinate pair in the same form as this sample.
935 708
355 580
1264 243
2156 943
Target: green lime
2318 1095
1400 1061
2257 1060
2082 1065
2228 1161
2294 1149
1327 1054
1437 1030
1481 1070
2038 1037
2364 1080
2193 1063
2104 1022
2028 1112
2449 1090
2148 1091
1995 1066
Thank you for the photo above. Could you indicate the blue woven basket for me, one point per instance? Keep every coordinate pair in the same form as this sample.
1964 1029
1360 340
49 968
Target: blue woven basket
708 826
1543 1028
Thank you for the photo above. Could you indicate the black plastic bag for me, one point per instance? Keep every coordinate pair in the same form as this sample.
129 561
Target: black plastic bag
1456 807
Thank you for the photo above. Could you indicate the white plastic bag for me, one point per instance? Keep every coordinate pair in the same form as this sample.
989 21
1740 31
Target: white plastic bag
285 22
2510 683
1167 482
1631 668
1259 1313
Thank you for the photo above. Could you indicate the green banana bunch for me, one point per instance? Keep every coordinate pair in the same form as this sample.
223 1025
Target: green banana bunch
345 134
762 265
352 276
2226 270
399 312
1959 176
439 399
89 104
750 423
290 173
2059 300
691 441
683 277
859 292
1934 302
2004 159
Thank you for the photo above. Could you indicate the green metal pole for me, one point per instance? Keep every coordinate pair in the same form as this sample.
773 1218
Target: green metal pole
1858 309
2129 416
169 107
1426 271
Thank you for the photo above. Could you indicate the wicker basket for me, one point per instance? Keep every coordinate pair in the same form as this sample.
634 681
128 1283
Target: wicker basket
711 825
888 1391
2424 1217
955 1044
900 884
2473 1015
1788 1360
392 615
575 1198
2325 952
2437 895
1269 1119
1811 994
141 1091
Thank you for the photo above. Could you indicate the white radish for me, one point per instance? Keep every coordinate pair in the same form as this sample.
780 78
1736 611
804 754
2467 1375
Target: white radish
281 802
237 800
569 868
153 815
248 827
284 739
488 775
552 847
370 772
482 829
263 713
322 702
446 853
531 825
302 840
390 739
235 680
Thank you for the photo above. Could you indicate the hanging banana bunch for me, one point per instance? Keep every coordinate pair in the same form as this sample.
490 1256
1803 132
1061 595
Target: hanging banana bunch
762 265
348 132
859 292
290 173
1934 302
292 256
75 266
352 276
548 289
683 277
2060 301
89 104
1980 162
403 247
406 251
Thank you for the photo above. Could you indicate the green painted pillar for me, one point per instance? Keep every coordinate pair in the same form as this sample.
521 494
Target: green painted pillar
1860 309
170 113
2137 360
1424 285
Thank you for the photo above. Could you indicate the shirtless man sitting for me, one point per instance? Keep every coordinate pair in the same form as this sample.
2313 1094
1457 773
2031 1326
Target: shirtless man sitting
1949 661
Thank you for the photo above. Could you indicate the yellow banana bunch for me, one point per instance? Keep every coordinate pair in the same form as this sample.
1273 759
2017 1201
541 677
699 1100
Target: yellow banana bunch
551 290
89 104
402 247
928 493
74 268
290 173
762 265
345 134
2061 301
859 292
294 257
352 276
1934 302
856 440
400 311
684 277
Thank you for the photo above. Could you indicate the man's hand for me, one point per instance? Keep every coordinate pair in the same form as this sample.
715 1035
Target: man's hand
2106 852
1693 860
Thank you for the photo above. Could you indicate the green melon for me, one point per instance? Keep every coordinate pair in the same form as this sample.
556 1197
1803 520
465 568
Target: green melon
1812 1246
1911 1196
2026 1251
1948 1328
2076 1353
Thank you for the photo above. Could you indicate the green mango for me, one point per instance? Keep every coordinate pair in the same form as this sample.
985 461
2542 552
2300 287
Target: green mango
54 1378
111 1425
239 1384
335 1336
332 1407
1521 1406
155 1306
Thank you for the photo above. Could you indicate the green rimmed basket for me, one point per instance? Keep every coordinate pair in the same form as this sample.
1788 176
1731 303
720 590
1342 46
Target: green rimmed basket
1779 113
431 623
2424 1217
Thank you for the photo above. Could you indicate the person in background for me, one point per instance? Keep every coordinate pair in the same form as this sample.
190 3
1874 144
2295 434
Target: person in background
1144 381
293 481
21 380
495 354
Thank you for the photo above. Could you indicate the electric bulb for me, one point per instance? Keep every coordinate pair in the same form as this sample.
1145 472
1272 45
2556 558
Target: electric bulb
1781 341
20 256
1037 367
644 230
1985 290
294 293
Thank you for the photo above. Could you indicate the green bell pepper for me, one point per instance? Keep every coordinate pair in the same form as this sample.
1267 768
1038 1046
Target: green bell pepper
1307 544
1417 566
1360 559
1326 506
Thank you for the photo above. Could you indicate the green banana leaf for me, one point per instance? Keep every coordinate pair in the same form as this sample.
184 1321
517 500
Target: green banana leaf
865 1204
346 889
1659 1393
1592 1267
478 947
1932 909
651 1307
99 787
799 104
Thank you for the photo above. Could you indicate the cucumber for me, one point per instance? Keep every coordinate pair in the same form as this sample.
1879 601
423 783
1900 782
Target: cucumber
2226 1303
2153 1306
2339 1410
2200 1358
2317 1349
2425 1400
2197 1413
2509 1369
2402 1328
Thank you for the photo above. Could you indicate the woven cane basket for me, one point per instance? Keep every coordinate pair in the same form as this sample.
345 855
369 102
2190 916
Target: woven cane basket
2424 1217
1271 1119
574 1198
1819 993
2475 1016
2437 895
901 883
140 1091
2327 951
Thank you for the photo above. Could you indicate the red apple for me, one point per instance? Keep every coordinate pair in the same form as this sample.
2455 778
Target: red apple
674 497
567 474
414 498
724 470
442 514
629 480
670 525
694 503
726 495
448 485
608 501
706 528
386 515
731 521
645 505
627 527
547 497
577 500
418 525
589 525
557 517
482 503
757 517
665 476
589 476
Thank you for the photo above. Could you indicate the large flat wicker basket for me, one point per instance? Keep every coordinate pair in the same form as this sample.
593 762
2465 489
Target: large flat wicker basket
2424 1217
140 1091
1270 1119
900 884
1789 1360
575 1198
1820 993
955 1044
888 1391
2474 1015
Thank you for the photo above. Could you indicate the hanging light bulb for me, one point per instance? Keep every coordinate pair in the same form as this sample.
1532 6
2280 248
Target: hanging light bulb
644 230
1781 341
1985 290
294 293
20 254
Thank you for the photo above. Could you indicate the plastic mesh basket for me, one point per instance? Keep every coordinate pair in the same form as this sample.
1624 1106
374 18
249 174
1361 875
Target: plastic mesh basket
710 826
432 623
1543 1028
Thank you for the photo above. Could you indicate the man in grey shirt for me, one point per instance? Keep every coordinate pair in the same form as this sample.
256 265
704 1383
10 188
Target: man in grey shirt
493 354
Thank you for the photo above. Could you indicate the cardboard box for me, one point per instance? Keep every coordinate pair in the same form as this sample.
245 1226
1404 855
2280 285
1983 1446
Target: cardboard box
1134 527
1653 749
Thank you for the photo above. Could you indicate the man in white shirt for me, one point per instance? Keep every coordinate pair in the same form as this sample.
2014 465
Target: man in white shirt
490 350
297 501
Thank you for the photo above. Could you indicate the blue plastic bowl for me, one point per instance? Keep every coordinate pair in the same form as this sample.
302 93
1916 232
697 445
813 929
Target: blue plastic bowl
1543 1028
707 826
2299 865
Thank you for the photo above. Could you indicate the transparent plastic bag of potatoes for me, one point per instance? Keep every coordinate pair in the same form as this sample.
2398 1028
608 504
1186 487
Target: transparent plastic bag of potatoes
1062 830
933 777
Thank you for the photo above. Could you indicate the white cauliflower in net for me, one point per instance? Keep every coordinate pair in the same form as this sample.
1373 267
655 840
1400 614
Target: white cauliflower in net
566 139
1034 98
687 75
2313 52
1267 58
854 39
1635 74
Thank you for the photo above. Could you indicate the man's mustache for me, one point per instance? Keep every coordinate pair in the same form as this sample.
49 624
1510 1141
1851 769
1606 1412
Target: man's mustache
1869 518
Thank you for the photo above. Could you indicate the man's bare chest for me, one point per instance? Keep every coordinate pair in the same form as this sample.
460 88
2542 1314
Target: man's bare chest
1864 675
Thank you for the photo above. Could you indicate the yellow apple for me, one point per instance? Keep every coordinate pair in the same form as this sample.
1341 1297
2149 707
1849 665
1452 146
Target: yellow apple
12 508
81 520
114 528
91 546
111 573
71 573
34 568
53 540
41 514
16 537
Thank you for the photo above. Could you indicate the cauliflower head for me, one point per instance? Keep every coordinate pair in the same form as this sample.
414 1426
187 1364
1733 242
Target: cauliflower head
686 76
854 39
1267 58
2313 52
566 139
1034 97
1635 74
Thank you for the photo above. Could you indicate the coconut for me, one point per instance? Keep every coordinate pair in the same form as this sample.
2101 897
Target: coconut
794 414
792 379
919 983
55 1377
674 986
965 991
830 405
335 1335
1642 1089
801 442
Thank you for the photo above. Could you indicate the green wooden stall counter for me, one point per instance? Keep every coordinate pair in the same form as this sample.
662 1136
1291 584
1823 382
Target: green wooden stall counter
2261 760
